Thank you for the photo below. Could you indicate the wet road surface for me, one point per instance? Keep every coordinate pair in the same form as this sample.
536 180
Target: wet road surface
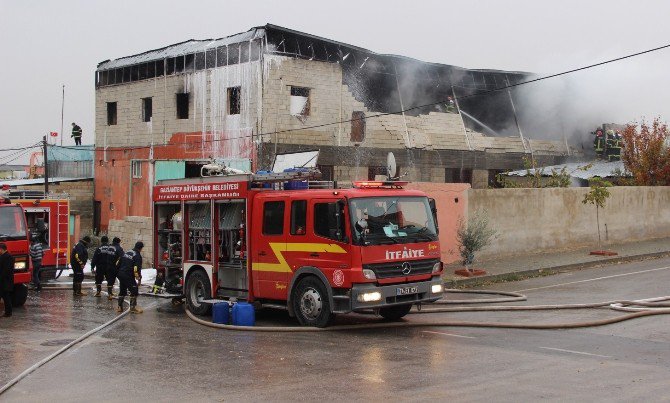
163 356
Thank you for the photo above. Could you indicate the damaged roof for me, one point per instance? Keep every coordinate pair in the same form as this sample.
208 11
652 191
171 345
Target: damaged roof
192 46
601 169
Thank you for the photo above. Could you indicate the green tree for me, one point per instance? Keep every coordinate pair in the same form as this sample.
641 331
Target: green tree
473 236
597 196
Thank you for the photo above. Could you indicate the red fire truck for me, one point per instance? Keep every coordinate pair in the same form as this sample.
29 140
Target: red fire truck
272 240
14 233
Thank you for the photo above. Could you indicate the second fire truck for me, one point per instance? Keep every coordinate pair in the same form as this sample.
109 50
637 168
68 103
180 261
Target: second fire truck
272 240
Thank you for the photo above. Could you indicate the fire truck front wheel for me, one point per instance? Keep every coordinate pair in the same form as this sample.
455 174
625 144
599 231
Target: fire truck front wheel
20 295
198 289
310 303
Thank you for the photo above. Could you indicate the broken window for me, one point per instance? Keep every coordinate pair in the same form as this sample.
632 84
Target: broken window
170 66
160 68
179 64
234 53
358 126
189 63
210 59
221 56
147 111
136 169
111 113
234 100
200 61
244 52
255 53
299 102
182 105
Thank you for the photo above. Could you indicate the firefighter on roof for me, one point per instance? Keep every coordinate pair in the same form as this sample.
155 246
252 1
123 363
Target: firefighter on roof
78 260
130 270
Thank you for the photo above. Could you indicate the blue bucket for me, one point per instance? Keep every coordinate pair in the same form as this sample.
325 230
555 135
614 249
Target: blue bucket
244 314
221 313
296 185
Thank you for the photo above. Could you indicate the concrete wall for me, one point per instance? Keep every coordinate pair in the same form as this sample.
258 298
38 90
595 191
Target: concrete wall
131 230
535 220
451 200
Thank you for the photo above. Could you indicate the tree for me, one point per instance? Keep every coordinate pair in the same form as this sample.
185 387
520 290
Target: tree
645 153
474 236
597 196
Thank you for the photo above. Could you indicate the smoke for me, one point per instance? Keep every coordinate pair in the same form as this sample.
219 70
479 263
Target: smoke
573 105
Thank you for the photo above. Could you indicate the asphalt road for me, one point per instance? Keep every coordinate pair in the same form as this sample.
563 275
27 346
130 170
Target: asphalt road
163 356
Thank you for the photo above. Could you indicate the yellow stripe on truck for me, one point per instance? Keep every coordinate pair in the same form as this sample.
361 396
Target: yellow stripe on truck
279 248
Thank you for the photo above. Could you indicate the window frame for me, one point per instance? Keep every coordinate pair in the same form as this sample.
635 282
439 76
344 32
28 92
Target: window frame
112 113
136 169
148 101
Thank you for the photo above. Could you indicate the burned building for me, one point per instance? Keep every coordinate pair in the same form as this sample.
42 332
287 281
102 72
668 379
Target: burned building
248 97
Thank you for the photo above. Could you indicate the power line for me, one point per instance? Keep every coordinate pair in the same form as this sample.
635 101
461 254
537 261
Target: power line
377 115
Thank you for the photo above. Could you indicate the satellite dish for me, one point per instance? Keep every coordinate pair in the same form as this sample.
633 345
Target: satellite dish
390 166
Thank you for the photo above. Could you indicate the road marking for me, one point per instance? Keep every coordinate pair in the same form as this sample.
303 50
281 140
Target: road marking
575 352
595 279
449 334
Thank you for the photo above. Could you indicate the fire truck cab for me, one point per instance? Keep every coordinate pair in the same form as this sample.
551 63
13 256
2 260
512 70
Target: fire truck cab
315 252
15 235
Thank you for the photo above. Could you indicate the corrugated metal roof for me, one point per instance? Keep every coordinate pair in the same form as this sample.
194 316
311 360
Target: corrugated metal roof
180 49
38 181
600 169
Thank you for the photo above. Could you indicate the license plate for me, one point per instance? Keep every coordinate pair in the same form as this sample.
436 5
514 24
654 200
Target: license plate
406 290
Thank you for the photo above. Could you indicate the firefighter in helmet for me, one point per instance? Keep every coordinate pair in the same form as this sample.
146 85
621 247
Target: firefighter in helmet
78 260
129 274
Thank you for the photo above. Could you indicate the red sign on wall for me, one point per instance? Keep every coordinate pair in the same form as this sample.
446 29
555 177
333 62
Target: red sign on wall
198 191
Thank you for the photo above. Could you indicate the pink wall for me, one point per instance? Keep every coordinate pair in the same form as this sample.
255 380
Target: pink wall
452 203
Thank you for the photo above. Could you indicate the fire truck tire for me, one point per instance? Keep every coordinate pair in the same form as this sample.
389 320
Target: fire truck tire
395 312
20 295
310 303
198 288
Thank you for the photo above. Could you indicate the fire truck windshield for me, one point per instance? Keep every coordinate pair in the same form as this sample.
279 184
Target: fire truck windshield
12 223
388 220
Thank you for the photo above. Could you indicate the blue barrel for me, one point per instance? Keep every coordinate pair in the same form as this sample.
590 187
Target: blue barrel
221 313
265 185
244 314
295 185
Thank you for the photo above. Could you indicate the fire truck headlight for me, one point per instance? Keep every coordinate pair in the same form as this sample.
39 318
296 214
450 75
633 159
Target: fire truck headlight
436 288
369 296
369 274
19 265
437 267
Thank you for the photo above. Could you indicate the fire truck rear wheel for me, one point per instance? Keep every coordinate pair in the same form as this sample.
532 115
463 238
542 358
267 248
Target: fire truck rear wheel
20 295
310 303
198 288
395 312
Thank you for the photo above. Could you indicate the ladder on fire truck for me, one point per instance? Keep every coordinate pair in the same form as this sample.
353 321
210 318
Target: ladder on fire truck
63 233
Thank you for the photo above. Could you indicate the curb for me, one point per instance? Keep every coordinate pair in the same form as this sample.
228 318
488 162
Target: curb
476 281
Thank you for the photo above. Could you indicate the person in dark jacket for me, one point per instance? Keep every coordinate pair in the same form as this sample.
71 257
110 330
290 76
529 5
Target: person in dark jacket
78 260
6 278
130 270
76 134
113 266
100 263
36 255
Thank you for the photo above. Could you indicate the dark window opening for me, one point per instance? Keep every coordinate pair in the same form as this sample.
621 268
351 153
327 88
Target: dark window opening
358 126
147 111
298 217
273 218
170 66
327 172
221 56
160 68
200 61
299 91
103 77
189 63
182 106
210 59
233 53
234 101
111 113
179 64
118 75
326 217
457 175
192 169
142 71
134 73
151 69
126 74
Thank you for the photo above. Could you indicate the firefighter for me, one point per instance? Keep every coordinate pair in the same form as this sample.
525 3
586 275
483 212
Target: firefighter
130 270
36 255
78 260
76 134
6 278
104 260
599 142
113 267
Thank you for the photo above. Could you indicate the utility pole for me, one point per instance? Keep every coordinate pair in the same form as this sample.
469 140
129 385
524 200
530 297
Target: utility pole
62 109
46 165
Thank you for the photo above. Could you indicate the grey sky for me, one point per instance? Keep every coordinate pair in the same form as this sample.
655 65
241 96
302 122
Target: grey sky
49 43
